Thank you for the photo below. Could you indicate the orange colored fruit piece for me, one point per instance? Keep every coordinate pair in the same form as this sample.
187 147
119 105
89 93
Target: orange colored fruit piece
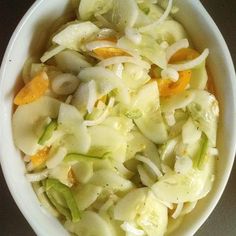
169 88
108 52
33 90
40 157
184 55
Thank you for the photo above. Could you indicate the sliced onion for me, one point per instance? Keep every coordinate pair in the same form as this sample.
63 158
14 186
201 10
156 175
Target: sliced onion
167 204
150 164
170 118
99 44
171 50
183 165
129 228
213 152
178 210
118 70
100 119
65 84
35 177
170 73
124 59
188 207
57 158
92 98
191 64
160 20
103 21
106 33
133 35
51 53
144 177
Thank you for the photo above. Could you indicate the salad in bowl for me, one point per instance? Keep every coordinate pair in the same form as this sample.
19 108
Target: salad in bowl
117 120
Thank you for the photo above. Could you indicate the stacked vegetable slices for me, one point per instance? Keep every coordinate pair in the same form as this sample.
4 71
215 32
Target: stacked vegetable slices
116 123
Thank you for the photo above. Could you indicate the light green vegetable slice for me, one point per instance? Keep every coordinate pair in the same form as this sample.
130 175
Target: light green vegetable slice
182 100
127 208
83 171
125 13
87 8
147 98
170 31
91 224
153 127
101 144
190 132
73 35
25 135
204 110
105 79
86 195
60 173
110 180
153 216
199 77
48 132
76 138
71 61
54 186
202 154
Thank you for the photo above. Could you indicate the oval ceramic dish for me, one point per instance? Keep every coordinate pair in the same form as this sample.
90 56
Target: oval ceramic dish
30 32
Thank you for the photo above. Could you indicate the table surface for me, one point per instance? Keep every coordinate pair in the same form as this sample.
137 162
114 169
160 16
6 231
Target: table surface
222 220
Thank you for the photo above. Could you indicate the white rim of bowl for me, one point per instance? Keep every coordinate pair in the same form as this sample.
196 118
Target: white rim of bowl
228 58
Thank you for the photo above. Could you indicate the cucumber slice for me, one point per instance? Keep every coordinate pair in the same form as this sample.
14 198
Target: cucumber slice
105 79
127 208
48 132
153 216
83 171
109 179
125 13
204 110
153 127
180 188
24 129
147 98
101 144
140 144
76 138
170 31
86 195
199 77
87 8
92 224
73 35
178 101
60 173
71 61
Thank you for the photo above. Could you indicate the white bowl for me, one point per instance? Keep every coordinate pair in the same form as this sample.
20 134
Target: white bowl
26 40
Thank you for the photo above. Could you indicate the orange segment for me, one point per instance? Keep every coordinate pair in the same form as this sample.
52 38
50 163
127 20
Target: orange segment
40 157
33 90
168 87
184 55
108 52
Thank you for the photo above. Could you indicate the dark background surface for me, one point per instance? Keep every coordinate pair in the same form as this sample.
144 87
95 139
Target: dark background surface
222 222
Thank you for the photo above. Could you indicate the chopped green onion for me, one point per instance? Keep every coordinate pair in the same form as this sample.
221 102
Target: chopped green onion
48 132
53 187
